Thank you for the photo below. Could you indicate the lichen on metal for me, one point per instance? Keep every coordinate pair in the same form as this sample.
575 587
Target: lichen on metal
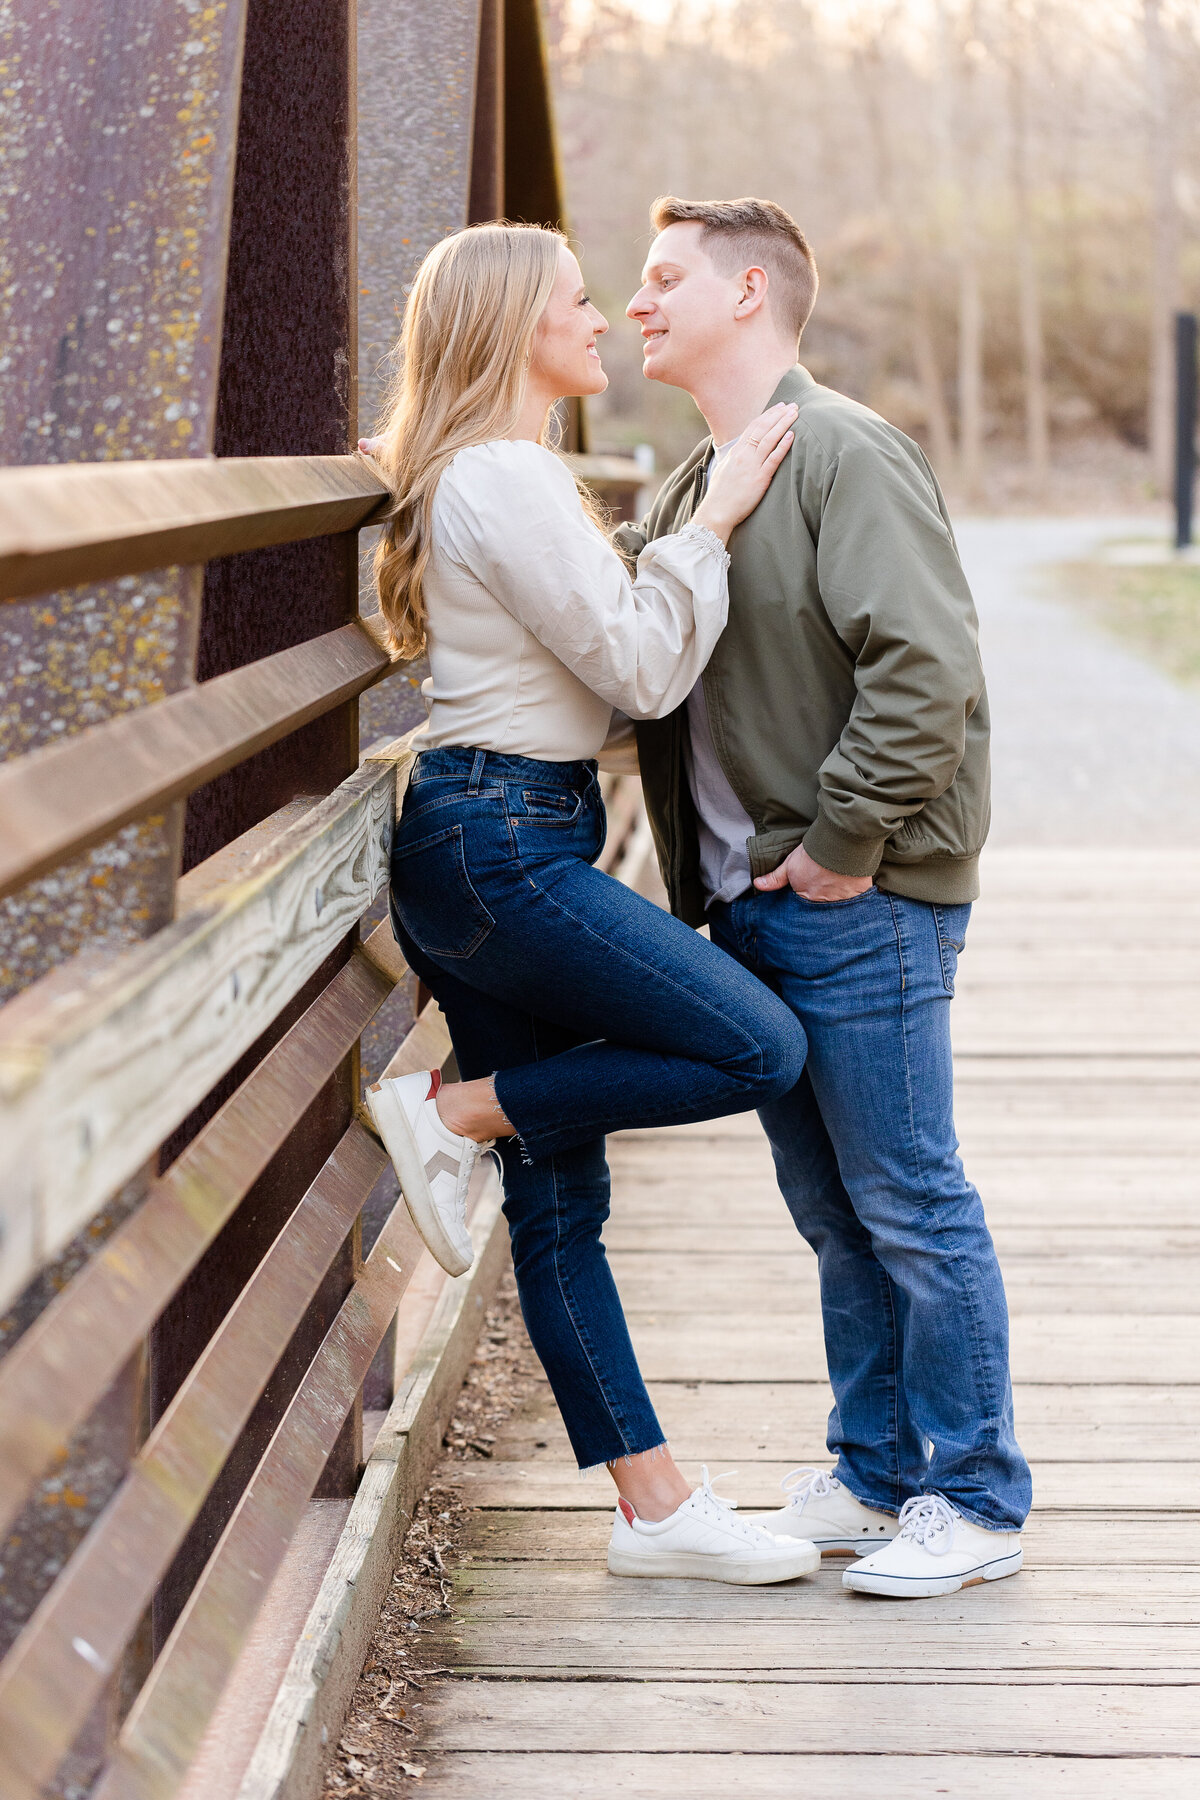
117 139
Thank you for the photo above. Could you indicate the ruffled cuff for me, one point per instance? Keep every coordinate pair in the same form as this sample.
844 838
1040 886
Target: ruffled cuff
707 539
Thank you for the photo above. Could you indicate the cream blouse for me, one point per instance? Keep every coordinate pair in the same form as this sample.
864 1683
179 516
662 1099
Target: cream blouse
536 632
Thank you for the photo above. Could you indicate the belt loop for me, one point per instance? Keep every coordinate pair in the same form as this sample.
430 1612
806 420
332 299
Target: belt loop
477 771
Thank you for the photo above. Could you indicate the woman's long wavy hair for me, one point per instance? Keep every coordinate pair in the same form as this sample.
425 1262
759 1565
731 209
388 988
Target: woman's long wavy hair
462 367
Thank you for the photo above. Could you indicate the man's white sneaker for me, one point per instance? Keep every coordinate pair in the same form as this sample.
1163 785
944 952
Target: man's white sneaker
434 1164
825 1512
936 1551
704 1541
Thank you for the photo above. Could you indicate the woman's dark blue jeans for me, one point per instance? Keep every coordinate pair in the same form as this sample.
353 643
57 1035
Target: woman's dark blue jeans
596 1012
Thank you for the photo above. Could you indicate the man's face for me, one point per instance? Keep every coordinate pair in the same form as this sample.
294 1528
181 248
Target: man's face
686 310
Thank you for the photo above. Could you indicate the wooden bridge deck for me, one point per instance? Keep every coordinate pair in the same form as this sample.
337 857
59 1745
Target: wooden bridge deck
1078 1033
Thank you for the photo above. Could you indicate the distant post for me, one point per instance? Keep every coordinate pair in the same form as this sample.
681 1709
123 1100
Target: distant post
1185 426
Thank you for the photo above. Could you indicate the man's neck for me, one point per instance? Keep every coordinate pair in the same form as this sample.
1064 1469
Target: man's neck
734 394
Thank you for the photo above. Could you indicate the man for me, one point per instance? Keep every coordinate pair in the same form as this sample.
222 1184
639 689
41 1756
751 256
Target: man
820 801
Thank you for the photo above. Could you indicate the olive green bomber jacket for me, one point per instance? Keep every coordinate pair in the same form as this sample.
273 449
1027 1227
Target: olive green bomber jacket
845 695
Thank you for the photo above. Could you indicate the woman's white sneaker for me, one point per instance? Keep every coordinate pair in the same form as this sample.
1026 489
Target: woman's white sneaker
825 1512
434 1165
936 1551
702 1540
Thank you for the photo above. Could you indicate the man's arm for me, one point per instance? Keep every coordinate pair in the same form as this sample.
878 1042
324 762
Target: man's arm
893 587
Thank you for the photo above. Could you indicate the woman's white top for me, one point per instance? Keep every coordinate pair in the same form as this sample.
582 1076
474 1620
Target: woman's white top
536 632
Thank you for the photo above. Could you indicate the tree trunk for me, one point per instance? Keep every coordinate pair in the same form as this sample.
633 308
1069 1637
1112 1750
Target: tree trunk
929 378
1029 304
970 295
1164 279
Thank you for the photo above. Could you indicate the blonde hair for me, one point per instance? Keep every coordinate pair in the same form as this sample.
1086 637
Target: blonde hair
463 364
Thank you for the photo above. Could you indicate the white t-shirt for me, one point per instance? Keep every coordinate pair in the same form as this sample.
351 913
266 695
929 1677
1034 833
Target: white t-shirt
536 632
722 822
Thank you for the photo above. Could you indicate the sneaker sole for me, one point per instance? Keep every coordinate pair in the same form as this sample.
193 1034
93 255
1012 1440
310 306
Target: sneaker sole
695 1565
838 1546
393 1125
850 1546
899 1587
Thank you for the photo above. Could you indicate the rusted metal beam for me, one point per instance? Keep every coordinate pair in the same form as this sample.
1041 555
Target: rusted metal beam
486 199
48 1682
169 1716
61 1367
62 799
61 525
533 186
121 118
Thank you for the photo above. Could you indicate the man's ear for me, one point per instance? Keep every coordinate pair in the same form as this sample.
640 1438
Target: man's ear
754 284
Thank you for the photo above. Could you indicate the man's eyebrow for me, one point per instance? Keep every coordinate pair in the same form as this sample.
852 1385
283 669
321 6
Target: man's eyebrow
656 268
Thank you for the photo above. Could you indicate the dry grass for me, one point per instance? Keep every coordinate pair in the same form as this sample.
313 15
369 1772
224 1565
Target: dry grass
1154 608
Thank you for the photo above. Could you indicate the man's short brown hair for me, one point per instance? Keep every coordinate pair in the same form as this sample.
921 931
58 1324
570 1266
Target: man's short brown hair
748 234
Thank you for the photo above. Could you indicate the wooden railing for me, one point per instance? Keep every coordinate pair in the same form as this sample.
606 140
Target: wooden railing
101 1061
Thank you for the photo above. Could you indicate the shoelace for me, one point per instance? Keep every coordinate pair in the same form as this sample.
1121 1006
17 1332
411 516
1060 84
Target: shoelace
722 1508
803 1485
929 1521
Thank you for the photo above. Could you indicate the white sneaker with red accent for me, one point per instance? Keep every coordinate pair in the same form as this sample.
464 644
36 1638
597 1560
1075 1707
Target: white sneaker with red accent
936 1551
823 1510
703 1541
434 1164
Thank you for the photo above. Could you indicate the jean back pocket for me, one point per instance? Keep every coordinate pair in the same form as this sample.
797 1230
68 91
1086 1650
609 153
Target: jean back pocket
434 896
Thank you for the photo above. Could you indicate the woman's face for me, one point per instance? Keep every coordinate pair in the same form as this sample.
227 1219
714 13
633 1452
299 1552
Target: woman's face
565 358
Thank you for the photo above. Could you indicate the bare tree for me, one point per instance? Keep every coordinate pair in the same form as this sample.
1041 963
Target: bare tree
1164 278
970 53
1037 431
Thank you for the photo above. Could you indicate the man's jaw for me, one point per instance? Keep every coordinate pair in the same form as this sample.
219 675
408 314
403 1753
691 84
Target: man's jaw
652 340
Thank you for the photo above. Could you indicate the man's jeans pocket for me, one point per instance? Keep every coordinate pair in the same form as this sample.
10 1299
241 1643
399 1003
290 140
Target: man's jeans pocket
433 896
951 923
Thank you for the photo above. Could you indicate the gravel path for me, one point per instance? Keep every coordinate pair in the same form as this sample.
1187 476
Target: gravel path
1091 744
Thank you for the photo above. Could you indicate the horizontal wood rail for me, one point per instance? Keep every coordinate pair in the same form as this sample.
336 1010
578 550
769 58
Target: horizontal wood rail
63 524
96 1073
66 523
59 1369
48 1684
168 1718
58 801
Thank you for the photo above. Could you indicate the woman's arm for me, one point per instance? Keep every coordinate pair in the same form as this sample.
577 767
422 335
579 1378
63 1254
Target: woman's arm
510 513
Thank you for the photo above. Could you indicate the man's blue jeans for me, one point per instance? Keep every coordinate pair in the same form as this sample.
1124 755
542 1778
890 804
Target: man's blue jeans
597 1012
916 1323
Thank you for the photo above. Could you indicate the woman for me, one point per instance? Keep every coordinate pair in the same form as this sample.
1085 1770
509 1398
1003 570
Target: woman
575 1006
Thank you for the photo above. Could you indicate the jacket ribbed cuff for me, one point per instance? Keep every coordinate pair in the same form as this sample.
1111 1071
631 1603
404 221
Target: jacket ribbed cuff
839 852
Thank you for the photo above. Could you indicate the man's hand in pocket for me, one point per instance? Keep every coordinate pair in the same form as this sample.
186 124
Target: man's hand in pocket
810 880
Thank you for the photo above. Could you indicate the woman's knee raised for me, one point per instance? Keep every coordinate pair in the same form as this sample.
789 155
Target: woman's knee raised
784 1049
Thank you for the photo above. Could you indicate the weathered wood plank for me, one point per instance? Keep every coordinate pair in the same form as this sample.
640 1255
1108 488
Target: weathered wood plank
315 1690
585 1717
1054 1349
704 1281
91 1084
57 1372
913 1650
48 1684
78 522
722 1423
1076 1597
1053 1540
745 1775
68 796
167 1721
